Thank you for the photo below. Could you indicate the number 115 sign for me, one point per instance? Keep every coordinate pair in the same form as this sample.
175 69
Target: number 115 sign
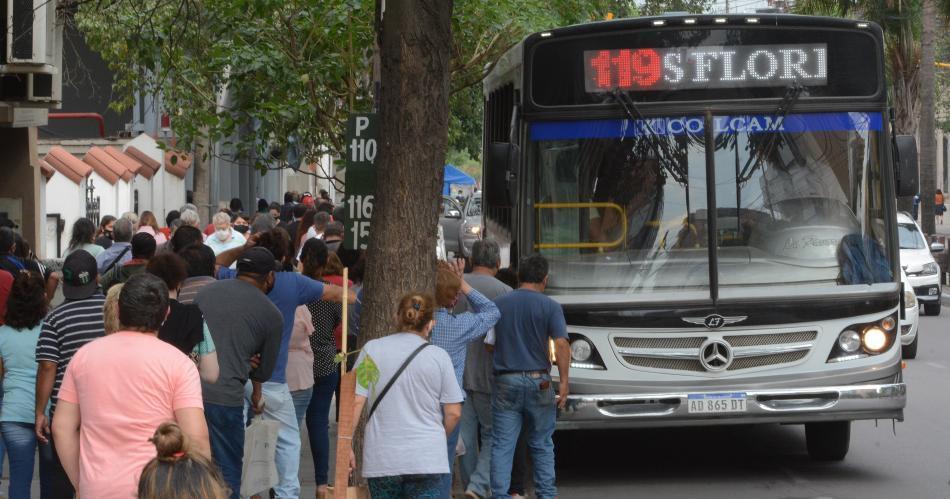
361 148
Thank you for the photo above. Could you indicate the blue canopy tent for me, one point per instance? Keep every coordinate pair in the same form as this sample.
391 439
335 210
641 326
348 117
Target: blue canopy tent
454 176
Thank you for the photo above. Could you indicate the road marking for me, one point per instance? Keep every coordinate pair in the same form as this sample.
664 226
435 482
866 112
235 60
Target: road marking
937 365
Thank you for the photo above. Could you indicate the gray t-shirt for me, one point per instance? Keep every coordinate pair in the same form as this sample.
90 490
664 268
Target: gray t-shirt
406 436
243 322
479 370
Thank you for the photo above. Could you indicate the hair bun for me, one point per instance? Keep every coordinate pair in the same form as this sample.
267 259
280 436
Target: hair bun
169 441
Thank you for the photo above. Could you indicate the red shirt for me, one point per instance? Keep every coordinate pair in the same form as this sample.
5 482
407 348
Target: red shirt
6 284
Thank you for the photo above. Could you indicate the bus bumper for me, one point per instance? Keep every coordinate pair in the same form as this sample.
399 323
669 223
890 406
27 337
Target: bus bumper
788 405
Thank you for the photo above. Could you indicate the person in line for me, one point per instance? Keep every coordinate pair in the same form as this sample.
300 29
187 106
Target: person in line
324 372
262 223
6 285
78 321
475 464
291 227
104 233
224 237
244 324
300 363
10 260
143 249
333 236
301 233
121 249
289 291
275 210
170 220
118 389
200 266
184 328
285 211
18 336
178 471
184 237
454 332
148 224
236 205
320 221
939 207
240 224
110 309
82 237
522 391
405 435
190 218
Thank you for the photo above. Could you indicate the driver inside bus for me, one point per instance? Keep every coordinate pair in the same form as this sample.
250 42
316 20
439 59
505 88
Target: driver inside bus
636 186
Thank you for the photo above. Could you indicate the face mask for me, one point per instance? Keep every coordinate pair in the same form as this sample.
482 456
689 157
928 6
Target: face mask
222 235
241 228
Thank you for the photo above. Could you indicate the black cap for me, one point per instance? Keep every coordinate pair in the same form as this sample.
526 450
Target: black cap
258 261
79 275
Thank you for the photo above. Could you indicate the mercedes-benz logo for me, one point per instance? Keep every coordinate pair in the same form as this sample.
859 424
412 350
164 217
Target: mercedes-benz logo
715 355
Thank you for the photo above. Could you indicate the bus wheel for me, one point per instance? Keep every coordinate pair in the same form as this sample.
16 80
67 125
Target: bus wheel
828 441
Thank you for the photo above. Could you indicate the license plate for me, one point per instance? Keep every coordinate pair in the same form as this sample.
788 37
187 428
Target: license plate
716 403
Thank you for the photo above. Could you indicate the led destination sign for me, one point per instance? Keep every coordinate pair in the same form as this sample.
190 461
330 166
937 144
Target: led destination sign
680 68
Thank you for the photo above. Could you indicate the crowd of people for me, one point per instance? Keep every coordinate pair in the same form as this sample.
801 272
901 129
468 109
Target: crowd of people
170 339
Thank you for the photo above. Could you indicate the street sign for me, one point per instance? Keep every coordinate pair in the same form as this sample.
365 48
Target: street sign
361 150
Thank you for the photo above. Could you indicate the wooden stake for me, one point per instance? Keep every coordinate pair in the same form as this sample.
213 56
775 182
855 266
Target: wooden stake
346 426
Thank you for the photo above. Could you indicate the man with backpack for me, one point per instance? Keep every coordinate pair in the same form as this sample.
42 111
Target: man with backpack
120 251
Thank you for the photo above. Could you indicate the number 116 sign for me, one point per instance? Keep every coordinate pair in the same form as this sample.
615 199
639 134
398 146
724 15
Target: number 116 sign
361 149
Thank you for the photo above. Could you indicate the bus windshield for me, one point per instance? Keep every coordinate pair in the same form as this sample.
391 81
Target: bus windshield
623 207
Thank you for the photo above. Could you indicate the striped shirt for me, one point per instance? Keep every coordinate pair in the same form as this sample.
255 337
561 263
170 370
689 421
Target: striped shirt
65 330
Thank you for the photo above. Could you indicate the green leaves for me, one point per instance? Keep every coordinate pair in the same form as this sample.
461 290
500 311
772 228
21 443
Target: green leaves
367 373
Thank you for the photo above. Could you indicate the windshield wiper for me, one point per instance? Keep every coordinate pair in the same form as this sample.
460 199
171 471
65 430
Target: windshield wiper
660 147
792 93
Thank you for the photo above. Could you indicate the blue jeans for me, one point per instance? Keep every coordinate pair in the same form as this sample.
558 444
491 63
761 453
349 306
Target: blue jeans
318 425
452 443
517 398
226 432
279 406
475 464
301 402
21 445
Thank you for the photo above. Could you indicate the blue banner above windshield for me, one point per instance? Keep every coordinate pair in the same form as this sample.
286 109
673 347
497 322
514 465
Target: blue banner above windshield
757 123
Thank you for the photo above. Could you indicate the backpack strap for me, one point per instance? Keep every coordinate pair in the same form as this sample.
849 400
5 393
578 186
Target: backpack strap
392 380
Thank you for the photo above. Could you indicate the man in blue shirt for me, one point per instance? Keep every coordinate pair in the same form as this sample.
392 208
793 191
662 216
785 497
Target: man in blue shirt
522 387
453 332
289 292
120 251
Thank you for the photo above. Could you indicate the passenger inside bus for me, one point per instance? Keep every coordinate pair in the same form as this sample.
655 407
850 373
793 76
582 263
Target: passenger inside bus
636 186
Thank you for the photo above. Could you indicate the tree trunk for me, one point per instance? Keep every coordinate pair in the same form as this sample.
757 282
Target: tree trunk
928 142
415 50
202 187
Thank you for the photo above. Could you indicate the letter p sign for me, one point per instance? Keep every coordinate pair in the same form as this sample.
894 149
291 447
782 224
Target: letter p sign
362 123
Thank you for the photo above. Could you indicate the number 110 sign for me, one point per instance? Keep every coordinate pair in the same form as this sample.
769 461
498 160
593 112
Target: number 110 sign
361 148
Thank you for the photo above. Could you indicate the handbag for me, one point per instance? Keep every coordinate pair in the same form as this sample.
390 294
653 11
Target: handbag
259 472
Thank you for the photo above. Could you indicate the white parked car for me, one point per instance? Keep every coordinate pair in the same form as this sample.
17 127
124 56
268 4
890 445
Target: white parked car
918 262
910 324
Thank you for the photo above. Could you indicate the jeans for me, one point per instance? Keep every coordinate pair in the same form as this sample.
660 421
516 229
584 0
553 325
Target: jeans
405 486
226 432
279 406
452 442
475 464
318 425
519 467
20 441
301 402
56 477
520 398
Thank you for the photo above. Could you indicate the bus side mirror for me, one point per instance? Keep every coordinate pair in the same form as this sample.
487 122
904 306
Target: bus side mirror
501 173
906 167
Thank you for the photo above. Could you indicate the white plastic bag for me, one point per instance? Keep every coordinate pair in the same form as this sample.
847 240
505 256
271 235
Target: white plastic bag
259 473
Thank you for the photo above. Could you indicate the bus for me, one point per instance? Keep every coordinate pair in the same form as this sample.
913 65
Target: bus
716 198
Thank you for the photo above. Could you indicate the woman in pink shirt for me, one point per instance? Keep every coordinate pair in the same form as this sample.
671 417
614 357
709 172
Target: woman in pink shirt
118 389
149 225
300 362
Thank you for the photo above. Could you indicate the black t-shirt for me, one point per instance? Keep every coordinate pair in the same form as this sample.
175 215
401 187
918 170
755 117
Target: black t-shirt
184 327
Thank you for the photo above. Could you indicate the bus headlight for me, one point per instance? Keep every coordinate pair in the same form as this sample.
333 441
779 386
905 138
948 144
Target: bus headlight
581 350
859 341
874 339
849 341
584 354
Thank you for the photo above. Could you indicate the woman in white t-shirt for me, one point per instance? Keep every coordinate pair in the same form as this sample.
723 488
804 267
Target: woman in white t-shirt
415 414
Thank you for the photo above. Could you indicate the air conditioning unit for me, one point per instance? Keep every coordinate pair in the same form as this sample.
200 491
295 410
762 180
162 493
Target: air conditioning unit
30 32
